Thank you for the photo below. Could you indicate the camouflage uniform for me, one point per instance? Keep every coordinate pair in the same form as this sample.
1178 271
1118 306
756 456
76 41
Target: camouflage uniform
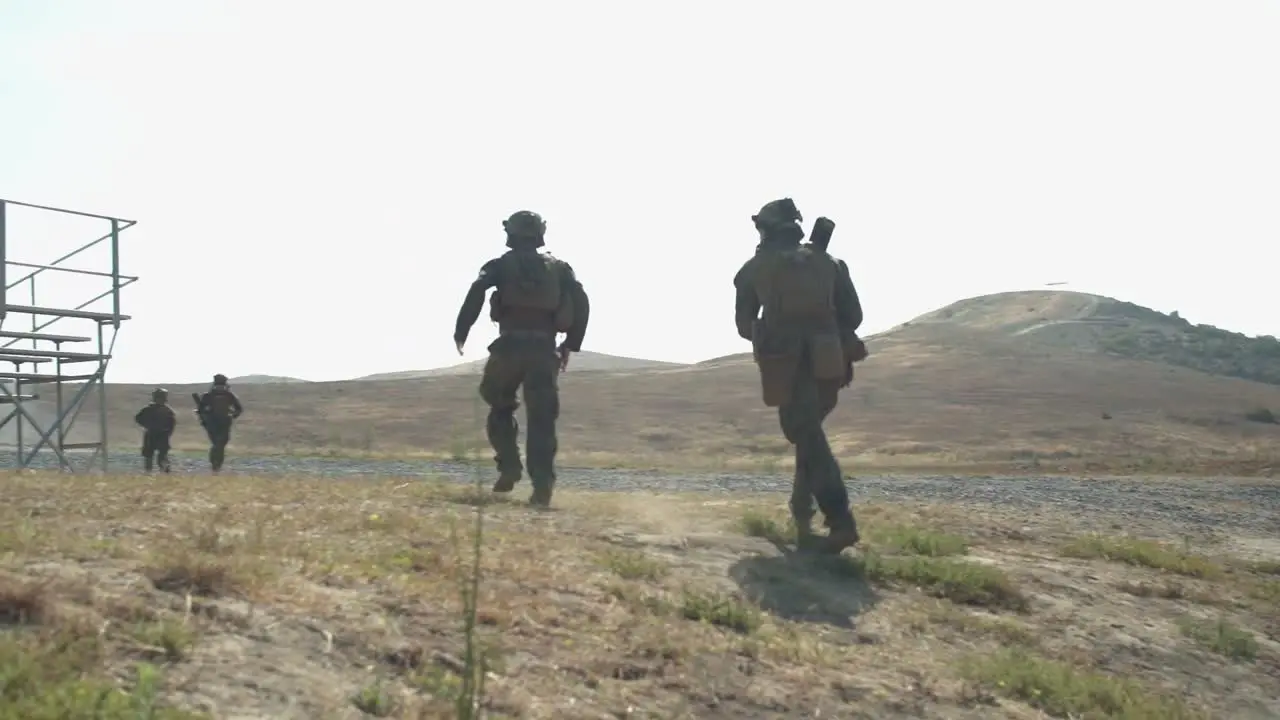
157 421
535 297
218 409
808 304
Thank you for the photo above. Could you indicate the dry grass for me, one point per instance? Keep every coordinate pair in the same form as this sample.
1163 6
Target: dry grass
125 597
1061 690
1222 636
1142 552
933 396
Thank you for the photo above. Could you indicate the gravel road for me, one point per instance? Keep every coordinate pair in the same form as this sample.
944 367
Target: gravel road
1248 506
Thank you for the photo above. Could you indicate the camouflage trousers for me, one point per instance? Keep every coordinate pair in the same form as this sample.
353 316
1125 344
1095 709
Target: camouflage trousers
528 363
155 447
818 476
219 432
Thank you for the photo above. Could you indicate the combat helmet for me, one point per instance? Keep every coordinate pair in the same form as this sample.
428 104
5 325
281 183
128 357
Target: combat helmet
777 213
779 220
525 225
219 379
159 395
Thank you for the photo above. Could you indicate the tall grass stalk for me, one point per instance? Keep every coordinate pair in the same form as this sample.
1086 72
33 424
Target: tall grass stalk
471 697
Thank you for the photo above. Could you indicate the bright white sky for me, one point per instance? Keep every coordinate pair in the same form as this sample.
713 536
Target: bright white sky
317 184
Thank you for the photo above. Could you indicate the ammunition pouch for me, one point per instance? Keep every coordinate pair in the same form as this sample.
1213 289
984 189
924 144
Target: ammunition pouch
855 350
495 306
562 320
826 356
777 356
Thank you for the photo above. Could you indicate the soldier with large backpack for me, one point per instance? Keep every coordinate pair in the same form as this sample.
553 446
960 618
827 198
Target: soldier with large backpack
794 302
218 408
536 296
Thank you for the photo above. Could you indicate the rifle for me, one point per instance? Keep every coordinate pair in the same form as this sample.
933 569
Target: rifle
823 228
199 414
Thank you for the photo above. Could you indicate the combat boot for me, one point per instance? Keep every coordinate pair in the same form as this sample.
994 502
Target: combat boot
541 497
844 534
507 480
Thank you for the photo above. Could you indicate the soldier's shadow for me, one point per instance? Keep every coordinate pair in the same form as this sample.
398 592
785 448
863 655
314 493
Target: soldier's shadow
806 588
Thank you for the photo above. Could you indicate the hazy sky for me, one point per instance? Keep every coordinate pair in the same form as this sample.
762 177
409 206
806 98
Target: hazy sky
317 184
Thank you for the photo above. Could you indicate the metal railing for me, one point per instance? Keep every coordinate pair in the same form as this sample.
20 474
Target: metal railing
53 434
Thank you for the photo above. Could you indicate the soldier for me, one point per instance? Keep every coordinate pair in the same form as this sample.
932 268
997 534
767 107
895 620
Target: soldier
535 297
808 303
157 421
218 408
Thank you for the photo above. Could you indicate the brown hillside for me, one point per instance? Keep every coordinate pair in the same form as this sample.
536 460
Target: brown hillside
973 388
260 379
583 361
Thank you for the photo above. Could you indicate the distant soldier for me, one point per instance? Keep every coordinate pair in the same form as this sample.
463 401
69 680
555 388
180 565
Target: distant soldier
157 421
535 297
218 408
808 303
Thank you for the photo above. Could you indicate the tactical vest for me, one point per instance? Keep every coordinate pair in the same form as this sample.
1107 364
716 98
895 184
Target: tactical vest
219 403
531 294
796 285
154 417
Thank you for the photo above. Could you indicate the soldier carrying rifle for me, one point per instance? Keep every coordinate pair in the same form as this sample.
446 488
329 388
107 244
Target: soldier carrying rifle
217 409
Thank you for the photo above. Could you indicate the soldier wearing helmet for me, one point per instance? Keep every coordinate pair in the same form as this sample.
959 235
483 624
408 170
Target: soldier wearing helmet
218 408
157 421
793 303
535 297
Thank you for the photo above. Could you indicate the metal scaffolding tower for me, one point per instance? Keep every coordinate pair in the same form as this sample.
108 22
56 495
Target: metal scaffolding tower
32 365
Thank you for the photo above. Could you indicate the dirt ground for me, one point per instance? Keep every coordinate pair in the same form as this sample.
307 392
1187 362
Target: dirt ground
293 597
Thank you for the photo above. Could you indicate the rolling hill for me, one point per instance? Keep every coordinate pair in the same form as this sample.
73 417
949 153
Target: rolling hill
1081 322
261 379
585 361
1043 378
